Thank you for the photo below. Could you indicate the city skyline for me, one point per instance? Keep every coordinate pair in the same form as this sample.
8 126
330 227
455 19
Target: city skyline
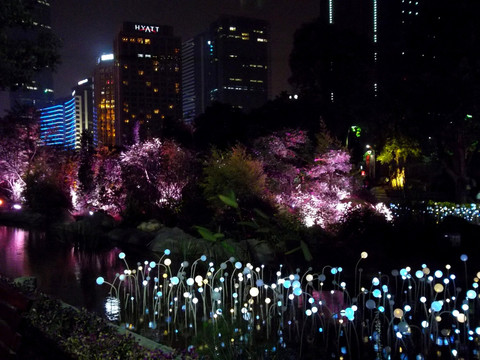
88 29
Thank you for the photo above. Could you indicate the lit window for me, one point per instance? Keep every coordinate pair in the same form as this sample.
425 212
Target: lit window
140 72
132 39
155 90
149 116
156 111
147 41
170 106
140 55
261 40
233 28
125 66
125 82
124 39
140 40
148 83
176 51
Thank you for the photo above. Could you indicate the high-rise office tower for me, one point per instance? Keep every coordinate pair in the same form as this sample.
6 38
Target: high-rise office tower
147 79
57 124
39 92
85 116
104 100
229 63
64 123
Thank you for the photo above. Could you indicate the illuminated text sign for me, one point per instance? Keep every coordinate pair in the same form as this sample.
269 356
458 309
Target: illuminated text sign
147 28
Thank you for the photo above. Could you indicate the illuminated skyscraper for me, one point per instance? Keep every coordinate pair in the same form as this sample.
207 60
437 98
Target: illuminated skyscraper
57 124
63 124
229 63
39 92
104 100
147 78
85 116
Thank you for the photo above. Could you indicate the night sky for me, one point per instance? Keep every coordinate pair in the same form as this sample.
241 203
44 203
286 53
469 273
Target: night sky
88 27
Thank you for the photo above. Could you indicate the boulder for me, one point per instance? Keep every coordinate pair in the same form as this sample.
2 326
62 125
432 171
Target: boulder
174 239
129 236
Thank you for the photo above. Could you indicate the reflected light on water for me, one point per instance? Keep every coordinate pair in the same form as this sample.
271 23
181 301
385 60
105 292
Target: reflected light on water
61 270
12 252
112 308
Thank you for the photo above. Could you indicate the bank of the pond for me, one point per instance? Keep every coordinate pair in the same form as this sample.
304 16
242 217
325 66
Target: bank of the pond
36 327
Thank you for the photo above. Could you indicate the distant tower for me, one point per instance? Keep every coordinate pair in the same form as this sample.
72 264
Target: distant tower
229 63
39 92
85 116
238 62
147 80
104 100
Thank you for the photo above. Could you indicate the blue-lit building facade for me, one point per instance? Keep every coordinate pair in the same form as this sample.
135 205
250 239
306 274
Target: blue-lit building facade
57 125
64 124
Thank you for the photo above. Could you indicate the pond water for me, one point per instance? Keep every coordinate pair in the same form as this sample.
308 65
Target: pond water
61 270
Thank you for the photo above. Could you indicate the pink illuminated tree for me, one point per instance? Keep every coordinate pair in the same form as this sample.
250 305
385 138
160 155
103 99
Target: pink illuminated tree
18 148
316 189
155 172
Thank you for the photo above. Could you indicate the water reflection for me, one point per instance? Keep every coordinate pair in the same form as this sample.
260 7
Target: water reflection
61 270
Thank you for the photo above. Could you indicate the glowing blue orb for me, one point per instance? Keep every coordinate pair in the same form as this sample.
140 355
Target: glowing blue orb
334 271
403 272
436 306
381 309
121 255
297 291
471 294
349 313
175 280
238 265
167 252
296 284
152 264
203 258
375 281
438 274
287 284
377 293
464 257
322 277
419 274
100 280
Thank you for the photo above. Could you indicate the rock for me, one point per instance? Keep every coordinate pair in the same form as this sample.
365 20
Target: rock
259 251
174 239
129 236
28 283
150 226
